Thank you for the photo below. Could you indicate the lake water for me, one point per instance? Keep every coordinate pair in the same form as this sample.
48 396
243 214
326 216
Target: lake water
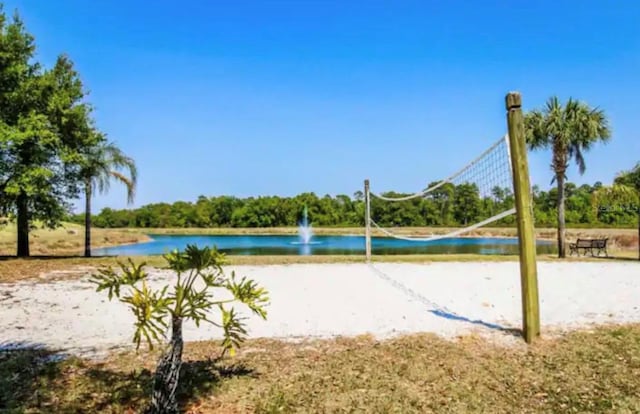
320 245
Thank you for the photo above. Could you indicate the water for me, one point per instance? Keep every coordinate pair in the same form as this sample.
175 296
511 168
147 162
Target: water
321 245
304 231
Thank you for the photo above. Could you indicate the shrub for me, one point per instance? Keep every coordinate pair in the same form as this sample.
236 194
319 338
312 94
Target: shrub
198 272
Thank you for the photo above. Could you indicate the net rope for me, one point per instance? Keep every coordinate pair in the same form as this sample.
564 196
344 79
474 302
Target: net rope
448 235
412 293
490 175
432 306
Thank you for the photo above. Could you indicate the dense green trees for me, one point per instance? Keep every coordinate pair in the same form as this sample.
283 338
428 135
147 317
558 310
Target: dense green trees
631 179
447 206
568 131
43 123
50 149
622 200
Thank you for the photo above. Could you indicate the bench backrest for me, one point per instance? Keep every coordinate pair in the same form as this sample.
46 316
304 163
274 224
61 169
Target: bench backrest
583 243
588 243
600 243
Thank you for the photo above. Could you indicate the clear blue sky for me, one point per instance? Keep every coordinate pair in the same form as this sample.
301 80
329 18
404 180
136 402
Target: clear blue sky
259 98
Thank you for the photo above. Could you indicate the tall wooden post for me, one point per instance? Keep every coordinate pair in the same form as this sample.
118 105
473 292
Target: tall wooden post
367 221
524 217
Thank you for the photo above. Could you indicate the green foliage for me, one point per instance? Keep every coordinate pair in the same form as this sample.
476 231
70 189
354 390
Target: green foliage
104 161
198 273
447 206
630 178
567 130
44 123
466 204
99 164
621 201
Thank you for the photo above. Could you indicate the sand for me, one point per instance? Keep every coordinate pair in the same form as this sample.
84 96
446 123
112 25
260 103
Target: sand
328 300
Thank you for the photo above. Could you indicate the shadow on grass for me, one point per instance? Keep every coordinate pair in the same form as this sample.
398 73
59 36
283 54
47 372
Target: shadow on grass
37 379
56 257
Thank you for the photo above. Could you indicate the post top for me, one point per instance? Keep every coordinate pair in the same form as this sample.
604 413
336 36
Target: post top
513 100
366 182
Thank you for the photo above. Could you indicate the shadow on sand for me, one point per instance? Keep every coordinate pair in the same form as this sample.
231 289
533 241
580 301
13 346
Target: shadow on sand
454 317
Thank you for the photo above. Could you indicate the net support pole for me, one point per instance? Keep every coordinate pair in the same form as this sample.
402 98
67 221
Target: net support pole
367 221
524 218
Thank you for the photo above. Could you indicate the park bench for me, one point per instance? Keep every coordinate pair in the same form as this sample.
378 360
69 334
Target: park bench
593 246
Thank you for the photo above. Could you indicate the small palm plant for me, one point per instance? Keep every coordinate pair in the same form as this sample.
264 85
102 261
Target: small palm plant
198 272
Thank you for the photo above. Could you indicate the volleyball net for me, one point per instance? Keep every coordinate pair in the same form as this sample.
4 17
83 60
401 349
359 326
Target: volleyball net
478 194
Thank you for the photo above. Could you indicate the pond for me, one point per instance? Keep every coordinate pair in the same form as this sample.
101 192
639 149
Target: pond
320 245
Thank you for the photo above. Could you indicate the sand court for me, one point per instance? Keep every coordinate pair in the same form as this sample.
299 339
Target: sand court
327 300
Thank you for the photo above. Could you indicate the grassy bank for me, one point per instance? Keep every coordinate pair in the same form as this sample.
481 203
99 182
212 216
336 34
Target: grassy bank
542 233
596 371
66 240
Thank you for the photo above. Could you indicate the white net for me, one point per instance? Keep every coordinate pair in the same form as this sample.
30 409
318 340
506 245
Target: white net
478 194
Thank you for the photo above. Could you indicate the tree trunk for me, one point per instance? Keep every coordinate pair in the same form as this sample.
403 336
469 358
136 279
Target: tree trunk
165 382
561 224
23 225
87 221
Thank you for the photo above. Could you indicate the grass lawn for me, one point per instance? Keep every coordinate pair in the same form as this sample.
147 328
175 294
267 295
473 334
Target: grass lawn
65 240
596 371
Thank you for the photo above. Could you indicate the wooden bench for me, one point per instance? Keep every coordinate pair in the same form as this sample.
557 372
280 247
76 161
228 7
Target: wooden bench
593 246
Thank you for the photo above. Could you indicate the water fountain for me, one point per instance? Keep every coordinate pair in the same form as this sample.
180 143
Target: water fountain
304 230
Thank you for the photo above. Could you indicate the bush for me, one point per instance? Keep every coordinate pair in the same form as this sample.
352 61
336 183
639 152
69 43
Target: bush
198 272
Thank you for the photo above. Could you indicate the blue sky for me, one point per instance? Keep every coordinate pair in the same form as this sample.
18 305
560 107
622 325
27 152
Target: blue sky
261 97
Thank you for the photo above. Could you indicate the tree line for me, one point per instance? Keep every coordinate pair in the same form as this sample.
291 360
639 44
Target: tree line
449 205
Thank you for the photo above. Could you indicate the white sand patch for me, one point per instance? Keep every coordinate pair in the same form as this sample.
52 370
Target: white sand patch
326 300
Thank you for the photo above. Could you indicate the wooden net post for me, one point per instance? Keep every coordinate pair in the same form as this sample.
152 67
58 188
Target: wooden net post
524 217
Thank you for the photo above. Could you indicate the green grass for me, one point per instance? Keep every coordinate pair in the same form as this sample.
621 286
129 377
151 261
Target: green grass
590 371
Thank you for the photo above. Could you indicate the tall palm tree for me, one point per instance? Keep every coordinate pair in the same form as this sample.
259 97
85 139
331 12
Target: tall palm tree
102 163
569 131
631 180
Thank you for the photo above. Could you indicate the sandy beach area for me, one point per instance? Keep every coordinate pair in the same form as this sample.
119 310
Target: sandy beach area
327 300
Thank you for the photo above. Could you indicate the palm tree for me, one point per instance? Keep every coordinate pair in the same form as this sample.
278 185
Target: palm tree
104 162
569 131
631 180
